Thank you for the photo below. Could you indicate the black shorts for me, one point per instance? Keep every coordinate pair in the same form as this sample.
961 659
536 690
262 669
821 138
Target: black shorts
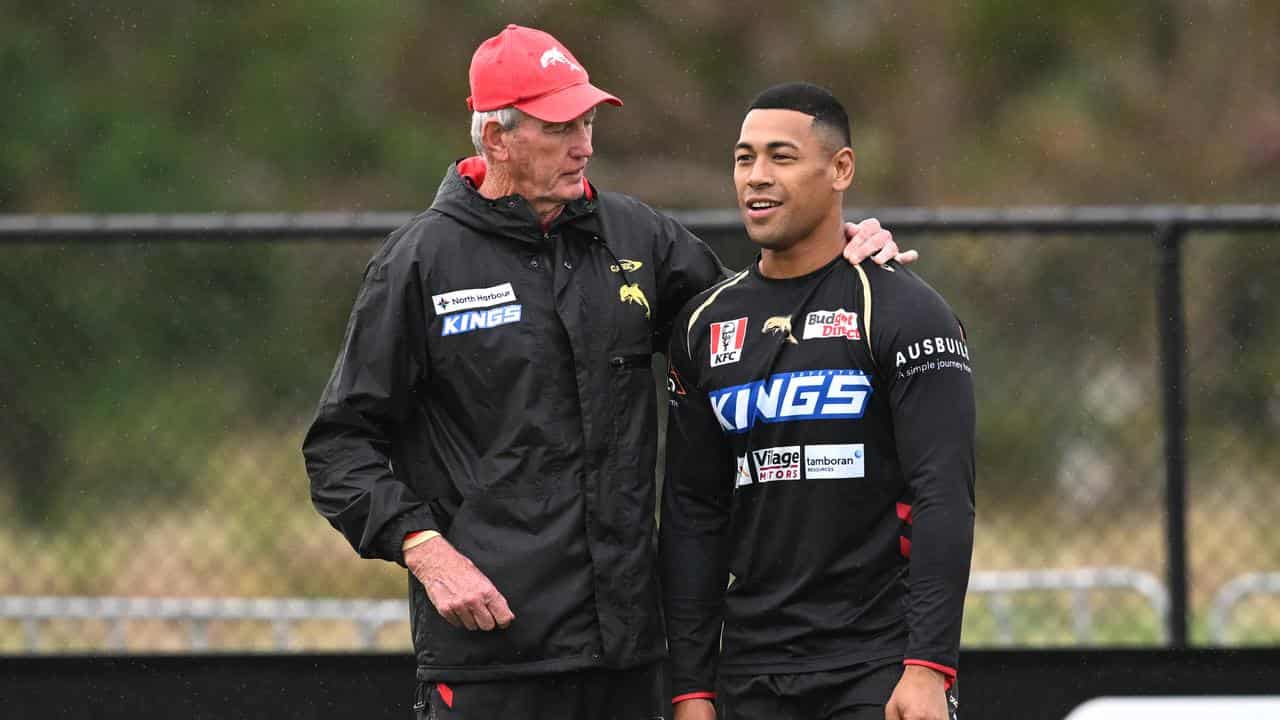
859 692
634 694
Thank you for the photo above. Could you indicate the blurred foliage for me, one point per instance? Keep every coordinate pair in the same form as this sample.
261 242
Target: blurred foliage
139 105
154 394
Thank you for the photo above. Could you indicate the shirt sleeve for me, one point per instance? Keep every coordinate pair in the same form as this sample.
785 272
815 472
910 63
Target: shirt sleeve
920 346
349 446
693 530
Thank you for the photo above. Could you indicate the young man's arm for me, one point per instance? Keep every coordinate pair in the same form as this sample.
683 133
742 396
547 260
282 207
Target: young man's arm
921 347
696 499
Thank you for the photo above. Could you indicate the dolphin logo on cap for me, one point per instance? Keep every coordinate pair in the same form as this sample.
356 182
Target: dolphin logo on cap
553 55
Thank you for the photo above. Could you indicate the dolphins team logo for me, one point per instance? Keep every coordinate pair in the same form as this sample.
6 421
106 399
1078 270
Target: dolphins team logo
780 325
553 56
633 294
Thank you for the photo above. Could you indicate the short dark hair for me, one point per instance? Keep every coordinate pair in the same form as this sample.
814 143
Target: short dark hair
809 99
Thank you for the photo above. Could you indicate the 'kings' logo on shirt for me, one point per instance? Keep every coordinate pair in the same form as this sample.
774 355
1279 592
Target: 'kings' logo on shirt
786 397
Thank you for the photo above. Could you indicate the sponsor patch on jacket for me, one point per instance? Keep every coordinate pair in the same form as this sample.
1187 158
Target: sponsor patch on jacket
839 323
627 265
726 341
460 300
786 397
465 322
834 461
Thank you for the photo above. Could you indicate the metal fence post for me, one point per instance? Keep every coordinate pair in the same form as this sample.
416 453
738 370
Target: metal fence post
1169 310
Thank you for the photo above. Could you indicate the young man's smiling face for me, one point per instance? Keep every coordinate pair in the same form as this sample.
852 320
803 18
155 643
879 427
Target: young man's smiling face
785 171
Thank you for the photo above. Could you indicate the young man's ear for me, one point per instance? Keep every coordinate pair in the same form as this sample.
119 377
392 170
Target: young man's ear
842 166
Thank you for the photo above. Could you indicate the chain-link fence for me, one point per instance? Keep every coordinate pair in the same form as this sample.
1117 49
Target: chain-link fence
155 391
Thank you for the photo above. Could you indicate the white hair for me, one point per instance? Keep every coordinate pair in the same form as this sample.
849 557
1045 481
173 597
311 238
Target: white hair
507 118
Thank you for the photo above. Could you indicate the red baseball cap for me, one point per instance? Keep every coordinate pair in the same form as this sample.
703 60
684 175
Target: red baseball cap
531 70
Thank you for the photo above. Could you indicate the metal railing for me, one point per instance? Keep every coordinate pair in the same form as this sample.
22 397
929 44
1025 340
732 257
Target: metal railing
196 614
1165 225
1079 582
370 616
1232 594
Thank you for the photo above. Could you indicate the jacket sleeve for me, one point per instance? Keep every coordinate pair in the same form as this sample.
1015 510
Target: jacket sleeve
920 346
693 529
349 447
685 267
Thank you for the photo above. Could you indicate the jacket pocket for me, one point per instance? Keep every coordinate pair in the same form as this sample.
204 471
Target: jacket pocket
631 361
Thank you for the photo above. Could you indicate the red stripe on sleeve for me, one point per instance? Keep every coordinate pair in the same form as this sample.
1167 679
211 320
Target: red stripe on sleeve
904 512
950 672
446 694
904 546
693 696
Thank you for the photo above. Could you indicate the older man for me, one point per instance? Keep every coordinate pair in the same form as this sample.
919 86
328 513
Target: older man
490 422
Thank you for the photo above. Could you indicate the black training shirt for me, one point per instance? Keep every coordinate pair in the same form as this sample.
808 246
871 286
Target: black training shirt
820 450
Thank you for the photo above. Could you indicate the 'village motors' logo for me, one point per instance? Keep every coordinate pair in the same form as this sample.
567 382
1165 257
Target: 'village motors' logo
726 341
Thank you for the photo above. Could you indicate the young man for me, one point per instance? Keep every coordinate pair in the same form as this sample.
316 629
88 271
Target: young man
490 422
820 451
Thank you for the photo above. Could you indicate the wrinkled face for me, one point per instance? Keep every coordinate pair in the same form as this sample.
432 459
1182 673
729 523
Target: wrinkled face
783 172
548 161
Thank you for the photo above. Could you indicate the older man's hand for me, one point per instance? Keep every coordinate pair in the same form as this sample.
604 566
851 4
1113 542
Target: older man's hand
868 239
462 594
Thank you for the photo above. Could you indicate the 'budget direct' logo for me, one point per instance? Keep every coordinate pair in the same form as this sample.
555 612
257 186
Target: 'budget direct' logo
832 324
805 395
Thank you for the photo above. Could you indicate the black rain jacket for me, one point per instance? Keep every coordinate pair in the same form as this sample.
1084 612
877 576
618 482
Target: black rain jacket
495 384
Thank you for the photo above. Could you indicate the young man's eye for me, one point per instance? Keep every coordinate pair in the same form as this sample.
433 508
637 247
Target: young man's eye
742 159
783 158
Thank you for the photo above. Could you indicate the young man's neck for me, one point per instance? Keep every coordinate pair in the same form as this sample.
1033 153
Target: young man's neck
822 246
498 183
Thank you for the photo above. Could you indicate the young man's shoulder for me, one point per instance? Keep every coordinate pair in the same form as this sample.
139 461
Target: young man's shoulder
696 313
896 287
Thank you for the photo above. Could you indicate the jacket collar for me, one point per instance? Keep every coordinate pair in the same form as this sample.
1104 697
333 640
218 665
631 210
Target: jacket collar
508 216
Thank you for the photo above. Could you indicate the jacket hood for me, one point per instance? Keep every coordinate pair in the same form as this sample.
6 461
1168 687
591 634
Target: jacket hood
508 216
